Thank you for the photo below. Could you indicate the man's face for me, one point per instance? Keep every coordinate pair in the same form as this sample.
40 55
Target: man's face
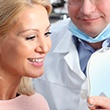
90 16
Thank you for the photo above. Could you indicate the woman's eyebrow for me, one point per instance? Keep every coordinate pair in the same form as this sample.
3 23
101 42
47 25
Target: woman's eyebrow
31 29
48 26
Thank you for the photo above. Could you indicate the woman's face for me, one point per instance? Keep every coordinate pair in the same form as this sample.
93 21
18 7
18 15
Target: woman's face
22 52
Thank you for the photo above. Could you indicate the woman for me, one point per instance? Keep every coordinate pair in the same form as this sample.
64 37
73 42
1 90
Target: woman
24 42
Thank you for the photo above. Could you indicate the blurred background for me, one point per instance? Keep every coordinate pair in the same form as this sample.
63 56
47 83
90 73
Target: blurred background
59 11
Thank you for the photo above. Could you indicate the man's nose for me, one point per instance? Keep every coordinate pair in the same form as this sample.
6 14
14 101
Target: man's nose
88 6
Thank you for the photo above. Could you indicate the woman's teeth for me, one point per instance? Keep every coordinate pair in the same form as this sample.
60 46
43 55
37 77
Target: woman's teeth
36 60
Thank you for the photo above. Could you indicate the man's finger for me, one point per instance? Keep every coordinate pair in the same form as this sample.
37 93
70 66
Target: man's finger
99 101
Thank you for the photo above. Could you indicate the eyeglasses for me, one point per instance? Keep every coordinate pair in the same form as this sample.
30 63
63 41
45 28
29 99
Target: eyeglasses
77 2
98 73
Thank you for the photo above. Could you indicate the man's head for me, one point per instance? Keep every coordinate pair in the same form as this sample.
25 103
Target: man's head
90 16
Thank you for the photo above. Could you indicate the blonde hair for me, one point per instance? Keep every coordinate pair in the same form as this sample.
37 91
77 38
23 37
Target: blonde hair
26 86
10 9
9 12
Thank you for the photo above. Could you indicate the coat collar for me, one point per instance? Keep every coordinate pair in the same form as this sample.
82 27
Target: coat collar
67 46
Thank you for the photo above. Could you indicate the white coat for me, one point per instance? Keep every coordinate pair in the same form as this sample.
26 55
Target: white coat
63 83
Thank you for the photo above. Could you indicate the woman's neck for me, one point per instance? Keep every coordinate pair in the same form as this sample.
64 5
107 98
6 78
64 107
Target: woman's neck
8 89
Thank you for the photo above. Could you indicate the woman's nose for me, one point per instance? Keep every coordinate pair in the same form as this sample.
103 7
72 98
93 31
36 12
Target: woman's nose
87 7
44 45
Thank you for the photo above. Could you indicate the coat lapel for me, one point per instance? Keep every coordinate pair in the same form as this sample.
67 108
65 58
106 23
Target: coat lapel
71 54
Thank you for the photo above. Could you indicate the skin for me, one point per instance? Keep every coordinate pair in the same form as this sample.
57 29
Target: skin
26 42
91 17
99 102
89 12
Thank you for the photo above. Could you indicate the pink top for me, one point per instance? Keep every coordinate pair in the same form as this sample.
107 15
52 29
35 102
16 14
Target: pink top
23 102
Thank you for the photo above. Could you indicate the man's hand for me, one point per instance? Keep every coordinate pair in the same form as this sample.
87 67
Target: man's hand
99 103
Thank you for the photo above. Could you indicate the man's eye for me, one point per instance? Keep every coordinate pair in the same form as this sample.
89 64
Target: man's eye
30 38
47 34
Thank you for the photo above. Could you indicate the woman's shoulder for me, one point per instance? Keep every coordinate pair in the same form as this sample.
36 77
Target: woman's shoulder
35 97
24 102
37 100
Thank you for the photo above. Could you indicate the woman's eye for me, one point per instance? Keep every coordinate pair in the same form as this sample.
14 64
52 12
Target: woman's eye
30 38
47 34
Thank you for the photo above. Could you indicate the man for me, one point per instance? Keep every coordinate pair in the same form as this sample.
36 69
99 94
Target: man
74 41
